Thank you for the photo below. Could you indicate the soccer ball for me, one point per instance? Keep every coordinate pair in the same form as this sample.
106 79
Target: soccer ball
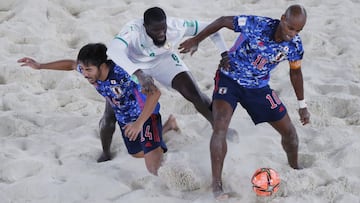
265 181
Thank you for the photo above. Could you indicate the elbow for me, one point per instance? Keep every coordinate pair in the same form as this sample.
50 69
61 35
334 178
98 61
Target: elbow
226 21
222 19
157 93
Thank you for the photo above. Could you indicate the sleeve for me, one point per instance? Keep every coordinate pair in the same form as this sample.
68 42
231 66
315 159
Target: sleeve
117 51
240 22
191 27
296 50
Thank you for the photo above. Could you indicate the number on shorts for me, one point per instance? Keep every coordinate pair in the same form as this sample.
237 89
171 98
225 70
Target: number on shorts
274 100
146 134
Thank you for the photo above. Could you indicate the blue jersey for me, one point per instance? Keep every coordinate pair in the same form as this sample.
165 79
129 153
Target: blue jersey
124 95
255 52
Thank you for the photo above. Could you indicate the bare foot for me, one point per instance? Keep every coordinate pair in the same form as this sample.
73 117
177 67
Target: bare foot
170 124
218 191
104 157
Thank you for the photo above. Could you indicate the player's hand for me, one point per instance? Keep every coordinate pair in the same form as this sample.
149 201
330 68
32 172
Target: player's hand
29 62
225 61
304 116
132 130
189 45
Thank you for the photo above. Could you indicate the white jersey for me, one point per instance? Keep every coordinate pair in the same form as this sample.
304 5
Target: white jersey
132 49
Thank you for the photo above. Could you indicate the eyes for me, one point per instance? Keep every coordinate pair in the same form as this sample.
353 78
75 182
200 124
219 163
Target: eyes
157 28
86 68
292 27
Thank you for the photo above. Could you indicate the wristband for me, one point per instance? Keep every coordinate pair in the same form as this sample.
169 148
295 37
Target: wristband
302 104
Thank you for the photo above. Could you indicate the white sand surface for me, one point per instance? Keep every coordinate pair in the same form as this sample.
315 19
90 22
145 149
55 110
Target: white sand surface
49 139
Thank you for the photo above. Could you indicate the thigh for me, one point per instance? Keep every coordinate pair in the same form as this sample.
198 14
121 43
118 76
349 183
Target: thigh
185 84
151 136
225 89
149 139
263 105
133 147
167 67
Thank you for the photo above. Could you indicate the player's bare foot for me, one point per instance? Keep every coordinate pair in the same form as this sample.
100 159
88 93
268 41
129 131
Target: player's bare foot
104 157
218 191
171 124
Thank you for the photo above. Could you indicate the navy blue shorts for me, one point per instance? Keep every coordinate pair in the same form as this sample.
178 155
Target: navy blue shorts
149 139
262 104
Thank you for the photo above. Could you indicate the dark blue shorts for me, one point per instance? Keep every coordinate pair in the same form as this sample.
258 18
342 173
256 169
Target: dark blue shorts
262 104
149 139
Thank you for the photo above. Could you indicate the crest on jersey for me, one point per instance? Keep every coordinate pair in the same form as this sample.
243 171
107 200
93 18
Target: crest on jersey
282 54
222 90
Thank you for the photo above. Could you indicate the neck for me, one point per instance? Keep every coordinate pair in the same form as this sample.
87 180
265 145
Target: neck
104 72
277 35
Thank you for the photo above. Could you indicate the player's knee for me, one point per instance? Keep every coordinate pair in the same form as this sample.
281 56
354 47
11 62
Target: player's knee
138 155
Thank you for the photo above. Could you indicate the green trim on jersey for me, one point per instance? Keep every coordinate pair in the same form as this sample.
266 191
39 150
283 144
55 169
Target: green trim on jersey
121 39
196 27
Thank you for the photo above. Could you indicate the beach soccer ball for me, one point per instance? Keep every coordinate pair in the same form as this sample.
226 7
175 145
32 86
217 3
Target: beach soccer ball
265 181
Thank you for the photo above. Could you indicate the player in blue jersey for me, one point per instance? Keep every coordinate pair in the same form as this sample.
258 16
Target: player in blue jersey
137 115
243 76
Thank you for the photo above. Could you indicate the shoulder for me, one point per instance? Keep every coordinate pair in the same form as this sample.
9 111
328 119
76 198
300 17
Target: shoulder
260 20
134 25
119 71
173 22
296 43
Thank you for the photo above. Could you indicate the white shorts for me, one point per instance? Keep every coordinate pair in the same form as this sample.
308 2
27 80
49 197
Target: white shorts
167 67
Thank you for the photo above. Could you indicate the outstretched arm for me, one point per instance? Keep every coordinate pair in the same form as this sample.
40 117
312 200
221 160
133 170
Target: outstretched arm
297 83
55 65
191 44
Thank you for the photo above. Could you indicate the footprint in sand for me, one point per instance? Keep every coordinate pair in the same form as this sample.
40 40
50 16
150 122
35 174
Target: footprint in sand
18 169
306 160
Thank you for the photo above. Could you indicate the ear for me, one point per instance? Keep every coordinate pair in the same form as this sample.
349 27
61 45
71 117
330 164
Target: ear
103 66
283 17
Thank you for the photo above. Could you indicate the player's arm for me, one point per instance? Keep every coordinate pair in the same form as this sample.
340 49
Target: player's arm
150 104
189 44
117 51
152 93
132 130
296 78
64 65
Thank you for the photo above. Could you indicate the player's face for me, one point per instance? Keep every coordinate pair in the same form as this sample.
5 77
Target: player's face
91 73
157 32
290 27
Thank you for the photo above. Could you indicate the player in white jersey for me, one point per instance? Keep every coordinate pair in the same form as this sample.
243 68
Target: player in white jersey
146 47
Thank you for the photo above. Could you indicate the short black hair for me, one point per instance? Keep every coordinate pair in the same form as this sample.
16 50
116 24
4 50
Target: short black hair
154 14
92 54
